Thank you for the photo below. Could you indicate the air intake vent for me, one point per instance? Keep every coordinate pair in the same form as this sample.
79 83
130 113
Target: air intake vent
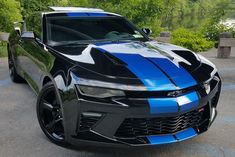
88 120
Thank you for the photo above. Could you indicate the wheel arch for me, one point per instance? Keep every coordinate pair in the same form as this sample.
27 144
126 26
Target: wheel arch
9 52
46 80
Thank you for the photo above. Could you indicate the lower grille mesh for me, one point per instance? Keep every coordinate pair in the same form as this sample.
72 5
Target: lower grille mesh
134 127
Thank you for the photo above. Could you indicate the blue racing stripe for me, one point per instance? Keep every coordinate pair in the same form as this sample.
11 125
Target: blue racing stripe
186 134
180 136
86 14
163 105
153 78
170 105
77 14
97 14
163 139
188 101
178 74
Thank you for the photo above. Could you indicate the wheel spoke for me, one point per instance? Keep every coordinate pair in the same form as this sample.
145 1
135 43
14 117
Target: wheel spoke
51 126
11 72
52 116
59 120
47 105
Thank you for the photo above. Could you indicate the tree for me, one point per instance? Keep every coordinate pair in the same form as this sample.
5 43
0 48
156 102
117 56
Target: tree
155 14
9 13
144 13
30 7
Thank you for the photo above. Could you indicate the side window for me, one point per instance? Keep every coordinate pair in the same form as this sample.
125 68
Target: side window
34 23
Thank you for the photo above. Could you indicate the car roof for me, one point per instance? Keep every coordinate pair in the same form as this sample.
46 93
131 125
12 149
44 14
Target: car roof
77 10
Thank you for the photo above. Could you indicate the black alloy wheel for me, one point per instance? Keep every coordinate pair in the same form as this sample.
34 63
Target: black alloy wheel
50 115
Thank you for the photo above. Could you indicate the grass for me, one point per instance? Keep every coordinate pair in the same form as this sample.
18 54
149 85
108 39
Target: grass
3 50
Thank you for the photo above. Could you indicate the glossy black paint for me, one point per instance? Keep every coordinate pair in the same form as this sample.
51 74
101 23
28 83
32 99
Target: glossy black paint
39 64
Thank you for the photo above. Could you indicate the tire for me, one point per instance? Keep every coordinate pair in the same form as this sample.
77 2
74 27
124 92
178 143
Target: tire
49 115
12 71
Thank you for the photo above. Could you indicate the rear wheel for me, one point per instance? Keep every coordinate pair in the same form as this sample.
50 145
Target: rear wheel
50 116
12 71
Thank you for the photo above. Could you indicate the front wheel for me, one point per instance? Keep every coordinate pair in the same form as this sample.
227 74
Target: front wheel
50 116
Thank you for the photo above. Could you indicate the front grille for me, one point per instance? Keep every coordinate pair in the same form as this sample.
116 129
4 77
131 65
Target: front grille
161 94
136 127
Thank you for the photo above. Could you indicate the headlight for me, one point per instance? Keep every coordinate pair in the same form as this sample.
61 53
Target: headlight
98 92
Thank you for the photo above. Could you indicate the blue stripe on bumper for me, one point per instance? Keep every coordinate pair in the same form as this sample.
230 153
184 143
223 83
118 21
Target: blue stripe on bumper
154 140
165 139
173 105
188 101
163 105
186 134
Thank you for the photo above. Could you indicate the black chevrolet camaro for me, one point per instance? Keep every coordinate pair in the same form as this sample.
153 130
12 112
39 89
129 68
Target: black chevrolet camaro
100 79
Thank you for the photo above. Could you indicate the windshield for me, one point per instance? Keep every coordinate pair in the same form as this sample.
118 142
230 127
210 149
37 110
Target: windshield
62 30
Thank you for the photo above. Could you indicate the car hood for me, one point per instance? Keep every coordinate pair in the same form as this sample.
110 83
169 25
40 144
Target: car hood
157 66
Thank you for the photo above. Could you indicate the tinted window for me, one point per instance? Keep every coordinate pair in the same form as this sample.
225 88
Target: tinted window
90 29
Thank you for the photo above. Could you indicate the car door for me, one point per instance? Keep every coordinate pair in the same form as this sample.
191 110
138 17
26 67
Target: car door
33 56
37 61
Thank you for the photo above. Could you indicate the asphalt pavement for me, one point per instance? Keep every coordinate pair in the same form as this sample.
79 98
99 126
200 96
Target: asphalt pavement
20 135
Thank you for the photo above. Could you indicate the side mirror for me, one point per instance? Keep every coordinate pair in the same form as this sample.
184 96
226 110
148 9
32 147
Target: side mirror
28 36
17 29
17 26
147 31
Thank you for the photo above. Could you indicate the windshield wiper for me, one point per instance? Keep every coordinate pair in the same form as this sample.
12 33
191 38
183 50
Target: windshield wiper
74 43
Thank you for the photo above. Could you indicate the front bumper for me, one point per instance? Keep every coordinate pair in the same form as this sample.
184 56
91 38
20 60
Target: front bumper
134 124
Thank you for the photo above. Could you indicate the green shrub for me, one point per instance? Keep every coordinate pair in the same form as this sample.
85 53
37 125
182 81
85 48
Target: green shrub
9 13
194 41
3 49
212 32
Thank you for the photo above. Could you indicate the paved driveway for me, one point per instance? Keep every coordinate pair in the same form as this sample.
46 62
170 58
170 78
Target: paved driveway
20 135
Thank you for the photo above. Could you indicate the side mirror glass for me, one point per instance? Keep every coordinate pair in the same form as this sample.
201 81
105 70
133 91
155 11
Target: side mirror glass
28 36
147 31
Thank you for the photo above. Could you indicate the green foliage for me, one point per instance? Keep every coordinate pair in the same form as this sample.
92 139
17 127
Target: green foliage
9 13
187 13
156 14
201 16
194 41
211 28
80 3
30 7
3 49
143 13
31 10
212 32
163 14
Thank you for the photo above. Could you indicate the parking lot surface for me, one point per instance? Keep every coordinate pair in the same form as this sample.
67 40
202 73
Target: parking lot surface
20 135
